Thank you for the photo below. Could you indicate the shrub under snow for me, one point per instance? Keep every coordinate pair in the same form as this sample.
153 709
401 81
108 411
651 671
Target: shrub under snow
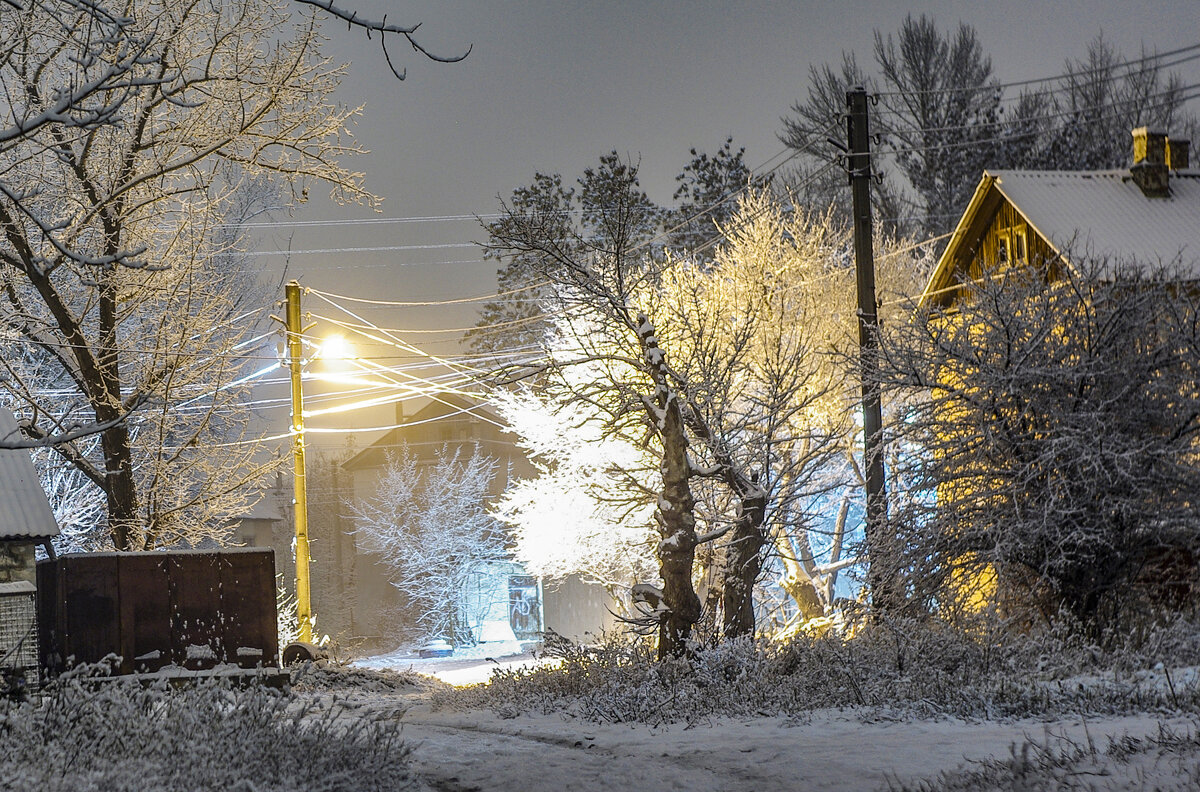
117 735
923 669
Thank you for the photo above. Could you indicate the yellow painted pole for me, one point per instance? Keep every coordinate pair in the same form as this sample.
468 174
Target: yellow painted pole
300 498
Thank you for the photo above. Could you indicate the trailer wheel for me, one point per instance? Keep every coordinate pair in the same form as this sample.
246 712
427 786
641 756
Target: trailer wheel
302 652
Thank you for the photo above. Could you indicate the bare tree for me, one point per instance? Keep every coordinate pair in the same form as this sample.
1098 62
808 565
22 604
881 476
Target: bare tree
381 29
939 105
757 395
1100 100
116 268
707 193
432 530
750 407
596 262
1051 431
944 117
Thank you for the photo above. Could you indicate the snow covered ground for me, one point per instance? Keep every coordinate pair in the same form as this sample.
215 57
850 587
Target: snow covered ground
824 750
470 665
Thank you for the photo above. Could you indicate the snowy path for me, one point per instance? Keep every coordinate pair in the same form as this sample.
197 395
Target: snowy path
464 751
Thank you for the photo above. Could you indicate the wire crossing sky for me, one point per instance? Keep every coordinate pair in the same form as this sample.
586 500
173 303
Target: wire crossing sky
550 85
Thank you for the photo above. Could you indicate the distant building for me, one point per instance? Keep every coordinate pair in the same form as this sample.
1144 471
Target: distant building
352 598
528 605
26 519
502 593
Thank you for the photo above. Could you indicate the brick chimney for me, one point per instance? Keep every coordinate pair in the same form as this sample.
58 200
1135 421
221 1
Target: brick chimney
1150 167
1177 154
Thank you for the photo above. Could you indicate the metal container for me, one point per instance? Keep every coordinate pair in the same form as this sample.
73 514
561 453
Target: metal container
158 611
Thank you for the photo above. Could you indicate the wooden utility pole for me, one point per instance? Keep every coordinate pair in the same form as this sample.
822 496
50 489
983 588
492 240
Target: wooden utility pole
295 353
881 578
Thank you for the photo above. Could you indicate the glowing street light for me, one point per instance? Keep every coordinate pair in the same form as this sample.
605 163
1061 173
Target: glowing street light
336 348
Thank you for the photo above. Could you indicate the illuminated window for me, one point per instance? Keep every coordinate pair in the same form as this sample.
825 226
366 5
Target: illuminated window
1011 247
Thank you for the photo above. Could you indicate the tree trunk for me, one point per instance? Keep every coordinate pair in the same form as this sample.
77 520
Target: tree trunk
743 565
677 550
121 492
676 522
120 489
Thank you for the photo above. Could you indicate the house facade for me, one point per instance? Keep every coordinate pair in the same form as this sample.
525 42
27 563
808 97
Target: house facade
1063 225
1148 215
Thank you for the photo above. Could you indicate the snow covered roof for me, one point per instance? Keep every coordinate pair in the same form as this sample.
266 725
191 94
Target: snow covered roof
24 510
1098 214
265 508
1104 214
450 407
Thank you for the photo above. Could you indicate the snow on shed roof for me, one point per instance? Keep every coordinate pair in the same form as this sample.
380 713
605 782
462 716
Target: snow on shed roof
1105 214
24 510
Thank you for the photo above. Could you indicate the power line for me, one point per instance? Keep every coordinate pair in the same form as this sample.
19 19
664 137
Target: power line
423 303
412 331
1173 95
365 249
1038 80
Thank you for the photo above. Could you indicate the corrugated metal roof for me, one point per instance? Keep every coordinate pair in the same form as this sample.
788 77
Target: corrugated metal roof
24 510
1105 214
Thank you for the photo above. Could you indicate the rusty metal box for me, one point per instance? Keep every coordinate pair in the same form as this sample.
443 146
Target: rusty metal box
188 609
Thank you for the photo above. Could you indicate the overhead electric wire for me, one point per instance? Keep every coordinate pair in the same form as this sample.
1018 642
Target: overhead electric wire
996 138
407 304
366 249
1173 95
914 246
356 221
430 331
391 339
1038 80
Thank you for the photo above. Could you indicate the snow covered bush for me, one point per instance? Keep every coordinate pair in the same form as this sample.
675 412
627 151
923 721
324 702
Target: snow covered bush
120 736
1165 761
887 669
1052 428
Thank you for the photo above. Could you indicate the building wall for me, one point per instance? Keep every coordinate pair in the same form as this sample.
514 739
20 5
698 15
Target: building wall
1009 241
17 561
578 610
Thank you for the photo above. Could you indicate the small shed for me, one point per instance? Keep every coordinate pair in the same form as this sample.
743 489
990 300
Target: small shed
26 521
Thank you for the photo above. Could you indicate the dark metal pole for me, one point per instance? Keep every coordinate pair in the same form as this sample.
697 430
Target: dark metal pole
880 576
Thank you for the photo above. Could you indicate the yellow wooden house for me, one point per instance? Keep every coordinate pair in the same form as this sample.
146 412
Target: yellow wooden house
1148 214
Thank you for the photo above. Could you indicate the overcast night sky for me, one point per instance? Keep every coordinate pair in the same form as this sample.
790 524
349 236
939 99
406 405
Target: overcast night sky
551 85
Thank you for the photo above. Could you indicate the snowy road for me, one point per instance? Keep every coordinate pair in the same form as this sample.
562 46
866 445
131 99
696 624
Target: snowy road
462 751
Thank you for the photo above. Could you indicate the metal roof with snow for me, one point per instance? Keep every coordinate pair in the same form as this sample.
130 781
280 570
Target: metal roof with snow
25 511
1094 214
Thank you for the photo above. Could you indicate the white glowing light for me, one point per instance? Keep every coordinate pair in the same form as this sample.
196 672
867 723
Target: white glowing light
336 347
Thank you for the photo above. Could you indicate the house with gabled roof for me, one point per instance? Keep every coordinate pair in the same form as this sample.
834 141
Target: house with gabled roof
26 521
1089 223
1147 215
